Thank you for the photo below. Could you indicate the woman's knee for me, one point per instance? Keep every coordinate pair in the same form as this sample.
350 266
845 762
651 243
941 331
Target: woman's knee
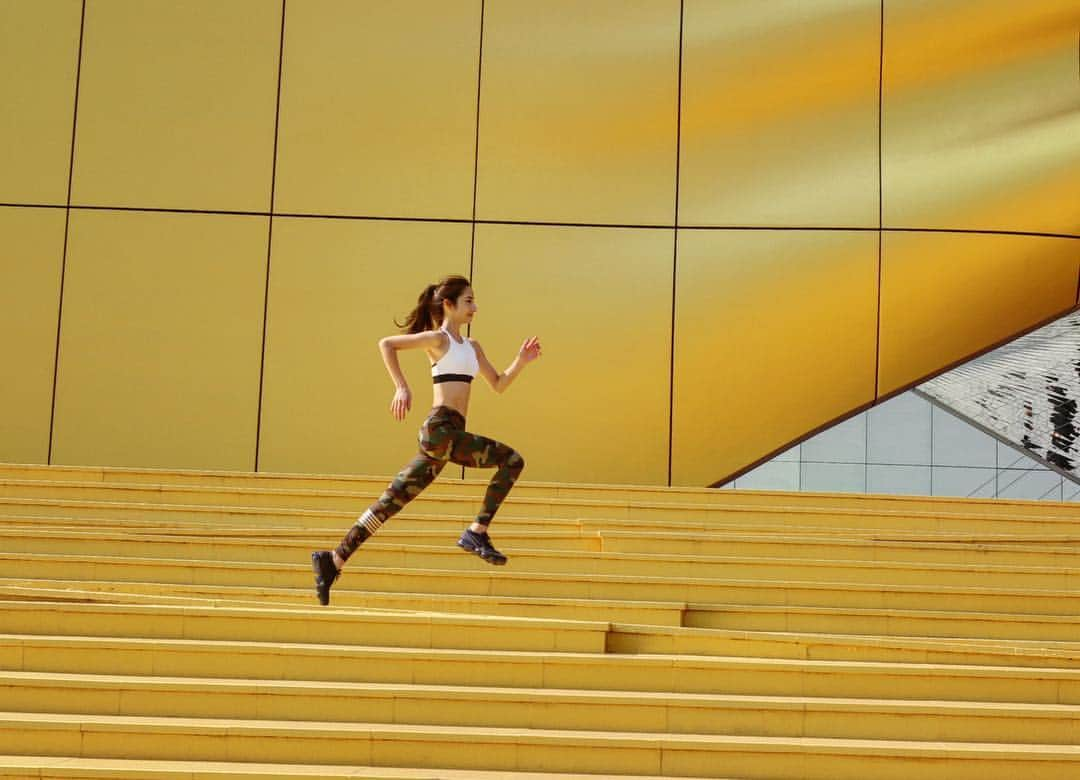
515 460
412 479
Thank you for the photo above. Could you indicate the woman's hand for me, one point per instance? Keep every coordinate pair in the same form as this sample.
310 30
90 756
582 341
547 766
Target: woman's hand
401 404
530 350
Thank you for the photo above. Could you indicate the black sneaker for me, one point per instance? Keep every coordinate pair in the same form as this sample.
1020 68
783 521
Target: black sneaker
325 574
480 544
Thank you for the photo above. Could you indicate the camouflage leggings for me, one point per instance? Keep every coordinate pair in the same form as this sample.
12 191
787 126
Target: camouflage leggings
443 438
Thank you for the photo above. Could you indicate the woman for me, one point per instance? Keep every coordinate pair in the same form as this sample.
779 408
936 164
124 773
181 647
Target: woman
435 325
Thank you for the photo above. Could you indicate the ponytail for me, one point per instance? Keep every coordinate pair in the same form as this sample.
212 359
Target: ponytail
428 313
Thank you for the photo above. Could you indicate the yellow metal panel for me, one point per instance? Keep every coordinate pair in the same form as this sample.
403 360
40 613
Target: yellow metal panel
780 113
578 111
176 104
594 407
161 340
945 296
378 108
39 52
30 259
981 115
336 287
774 336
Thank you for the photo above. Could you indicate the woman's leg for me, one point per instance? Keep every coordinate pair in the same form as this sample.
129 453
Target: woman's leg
407 485
478 452
470 449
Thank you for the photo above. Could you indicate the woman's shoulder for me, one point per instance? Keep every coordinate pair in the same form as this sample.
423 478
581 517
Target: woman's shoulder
423 338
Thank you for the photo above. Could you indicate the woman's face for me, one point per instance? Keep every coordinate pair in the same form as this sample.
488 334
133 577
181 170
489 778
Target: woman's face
466 306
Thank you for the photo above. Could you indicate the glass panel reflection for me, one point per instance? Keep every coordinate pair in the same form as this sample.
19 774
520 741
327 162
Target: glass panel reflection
774 475
898 480
834 477
964 482
900 431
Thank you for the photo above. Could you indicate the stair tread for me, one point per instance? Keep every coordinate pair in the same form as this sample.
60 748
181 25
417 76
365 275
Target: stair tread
496 734
712 509
553 695
659 560
579 539
141 768
228 594
421 617
1067 652
110 474
716 611
357 570
489 656
572 528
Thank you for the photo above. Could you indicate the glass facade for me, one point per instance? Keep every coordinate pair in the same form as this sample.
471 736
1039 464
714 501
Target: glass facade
907 445
969 432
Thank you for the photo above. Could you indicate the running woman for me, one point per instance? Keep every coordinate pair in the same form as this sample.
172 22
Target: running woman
435 326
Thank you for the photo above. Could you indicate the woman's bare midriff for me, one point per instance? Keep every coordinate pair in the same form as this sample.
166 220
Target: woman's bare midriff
452 394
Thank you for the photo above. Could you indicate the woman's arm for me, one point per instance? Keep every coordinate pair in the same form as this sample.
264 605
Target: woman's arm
389 347
529 351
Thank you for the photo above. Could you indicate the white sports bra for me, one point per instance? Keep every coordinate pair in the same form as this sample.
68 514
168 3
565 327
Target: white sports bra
459 364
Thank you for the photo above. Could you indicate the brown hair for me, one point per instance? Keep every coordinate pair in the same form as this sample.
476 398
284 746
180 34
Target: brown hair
429 310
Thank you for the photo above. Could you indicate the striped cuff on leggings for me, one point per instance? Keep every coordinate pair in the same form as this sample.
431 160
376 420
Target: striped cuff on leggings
369 522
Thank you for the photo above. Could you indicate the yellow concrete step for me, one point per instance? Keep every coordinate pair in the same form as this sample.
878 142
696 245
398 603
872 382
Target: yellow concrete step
460 502
708 543
449 557
884 622
369 627
24 493
520 669
68 768
651 613
522 708
793 546
448 484
842 623
209 546
178 521
525 749
570 535
409 629
339 501
259 580
573 539
416 517
625 638
238 519
828 620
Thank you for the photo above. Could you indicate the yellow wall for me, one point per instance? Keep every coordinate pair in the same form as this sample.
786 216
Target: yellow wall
32 248
176 105
680 199
161 337
780 114
335 287
774 330
39 57
378 108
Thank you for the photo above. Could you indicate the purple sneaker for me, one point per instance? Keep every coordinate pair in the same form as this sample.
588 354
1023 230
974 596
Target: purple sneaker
325 574
480 544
